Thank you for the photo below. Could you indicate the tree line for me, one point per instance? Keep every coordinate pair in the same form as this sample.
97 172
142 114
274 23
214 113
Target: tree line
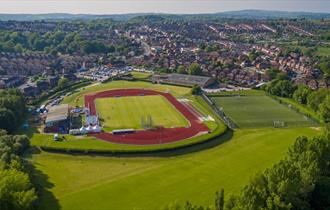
12 109
57 42
317 100
299 181
17 191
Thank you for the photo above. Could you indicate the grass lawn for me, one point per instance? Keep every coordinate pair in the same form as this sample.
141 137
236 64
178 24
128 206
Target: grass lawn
128 111
302 108
91 182
140 75
323 51
86 142
251 111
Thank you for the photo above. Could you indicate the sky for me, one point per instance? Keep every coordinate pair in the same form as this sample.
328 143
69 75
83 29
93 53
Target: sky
157 6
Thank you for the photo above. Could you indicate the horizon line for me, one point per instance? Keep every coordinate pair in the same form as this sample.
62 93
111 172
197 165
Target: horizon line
163 13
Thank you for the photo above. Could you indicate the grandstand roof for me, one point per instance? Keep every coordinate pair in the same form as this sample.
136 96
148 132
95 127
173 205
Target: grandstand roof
58 113
184 79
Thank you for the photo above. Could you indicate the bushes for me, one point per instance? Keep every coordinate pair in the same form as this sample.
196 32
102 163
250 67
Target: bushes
282 88
301 94
300 181
325 109
7 120
196 90
16 189
12 108
318 100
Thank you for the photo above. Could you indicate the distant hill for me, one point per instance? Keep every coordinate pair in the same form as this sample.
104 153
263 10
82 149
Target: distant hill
66 16
264 14
242 14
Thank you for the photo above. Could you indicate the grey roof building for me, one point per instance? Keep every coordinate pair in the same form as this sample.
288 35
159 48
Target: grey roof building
184 79
57 113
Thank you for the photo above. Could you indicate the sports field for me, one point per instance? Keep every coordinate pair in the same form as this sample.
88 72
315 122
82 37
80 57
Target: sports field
91 182
251 111
128 111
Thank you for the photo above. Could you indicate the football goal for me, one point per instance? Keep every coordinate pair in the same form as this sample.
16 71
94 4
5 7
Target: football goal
278 124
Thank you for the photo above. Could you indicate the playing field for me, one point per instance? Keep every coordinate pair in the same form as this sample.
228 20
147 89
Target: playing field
91 182
128 111
250 111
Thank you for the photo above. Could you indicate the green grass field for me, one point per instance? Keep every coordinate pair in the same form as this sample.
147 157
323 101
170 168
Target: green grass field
91 182
90 143
127 112
323 51
75 182
256 110
140 75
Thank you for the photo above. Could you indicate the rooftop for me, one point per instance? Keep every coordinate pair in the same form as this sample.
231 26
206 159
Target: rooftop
58 113
183 79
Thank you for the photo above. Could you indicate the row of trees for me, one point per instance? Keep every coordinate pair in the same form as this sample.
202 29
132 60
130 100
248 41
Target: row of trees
300 181
318 100
17 192
12 108
54 42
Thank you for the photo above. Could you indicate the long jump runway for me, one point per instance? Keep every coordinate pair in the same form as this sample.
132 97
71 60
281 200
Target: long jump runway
148 137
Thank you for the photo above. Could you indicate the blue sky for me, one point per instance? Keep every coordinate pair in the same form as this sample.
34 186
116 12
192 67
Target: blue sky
164 6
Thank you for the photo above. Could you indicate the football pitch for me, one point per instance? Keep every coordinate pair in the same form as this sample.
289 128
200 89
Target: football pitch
250 111
131 111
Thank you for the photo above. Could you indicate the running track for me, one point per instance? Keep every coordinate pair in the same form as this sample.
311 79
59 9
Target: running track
148 137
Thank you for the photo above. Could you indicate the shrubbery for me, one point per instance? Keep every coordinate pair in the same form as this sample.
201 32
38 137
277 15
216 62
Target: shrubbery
318 100
300 181
12 109
16 189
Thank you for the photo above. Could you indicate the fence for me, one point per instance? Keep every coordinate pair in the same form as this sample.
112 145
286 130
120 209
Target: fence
230 123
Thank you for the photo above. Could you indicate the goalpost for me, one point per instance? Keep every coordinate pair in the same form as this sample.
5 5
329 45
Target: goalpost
278 124
143 124
147 123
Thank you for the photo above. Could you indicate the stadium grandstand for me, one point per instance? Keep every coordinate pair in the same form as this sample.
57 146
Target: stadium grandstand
57 120
183 79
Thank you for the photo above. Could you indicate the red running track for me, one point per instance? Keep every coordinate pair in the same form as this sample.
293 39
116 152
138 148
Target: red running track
148 137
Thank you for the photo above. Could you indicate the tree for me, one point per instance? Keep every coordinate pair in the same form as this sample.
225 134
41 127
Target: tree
18 48
181 70
324 66
320 196
282 76
316 98
272 73
63 83
325 110
253 55
220 199
16 190
301 94
282 88
196 90
195 69
7 120
299 181
93 47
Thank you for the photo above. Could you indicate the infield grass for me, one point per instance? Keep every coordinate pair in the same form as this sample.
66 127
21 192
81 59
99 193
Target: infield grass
91 182
128 111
